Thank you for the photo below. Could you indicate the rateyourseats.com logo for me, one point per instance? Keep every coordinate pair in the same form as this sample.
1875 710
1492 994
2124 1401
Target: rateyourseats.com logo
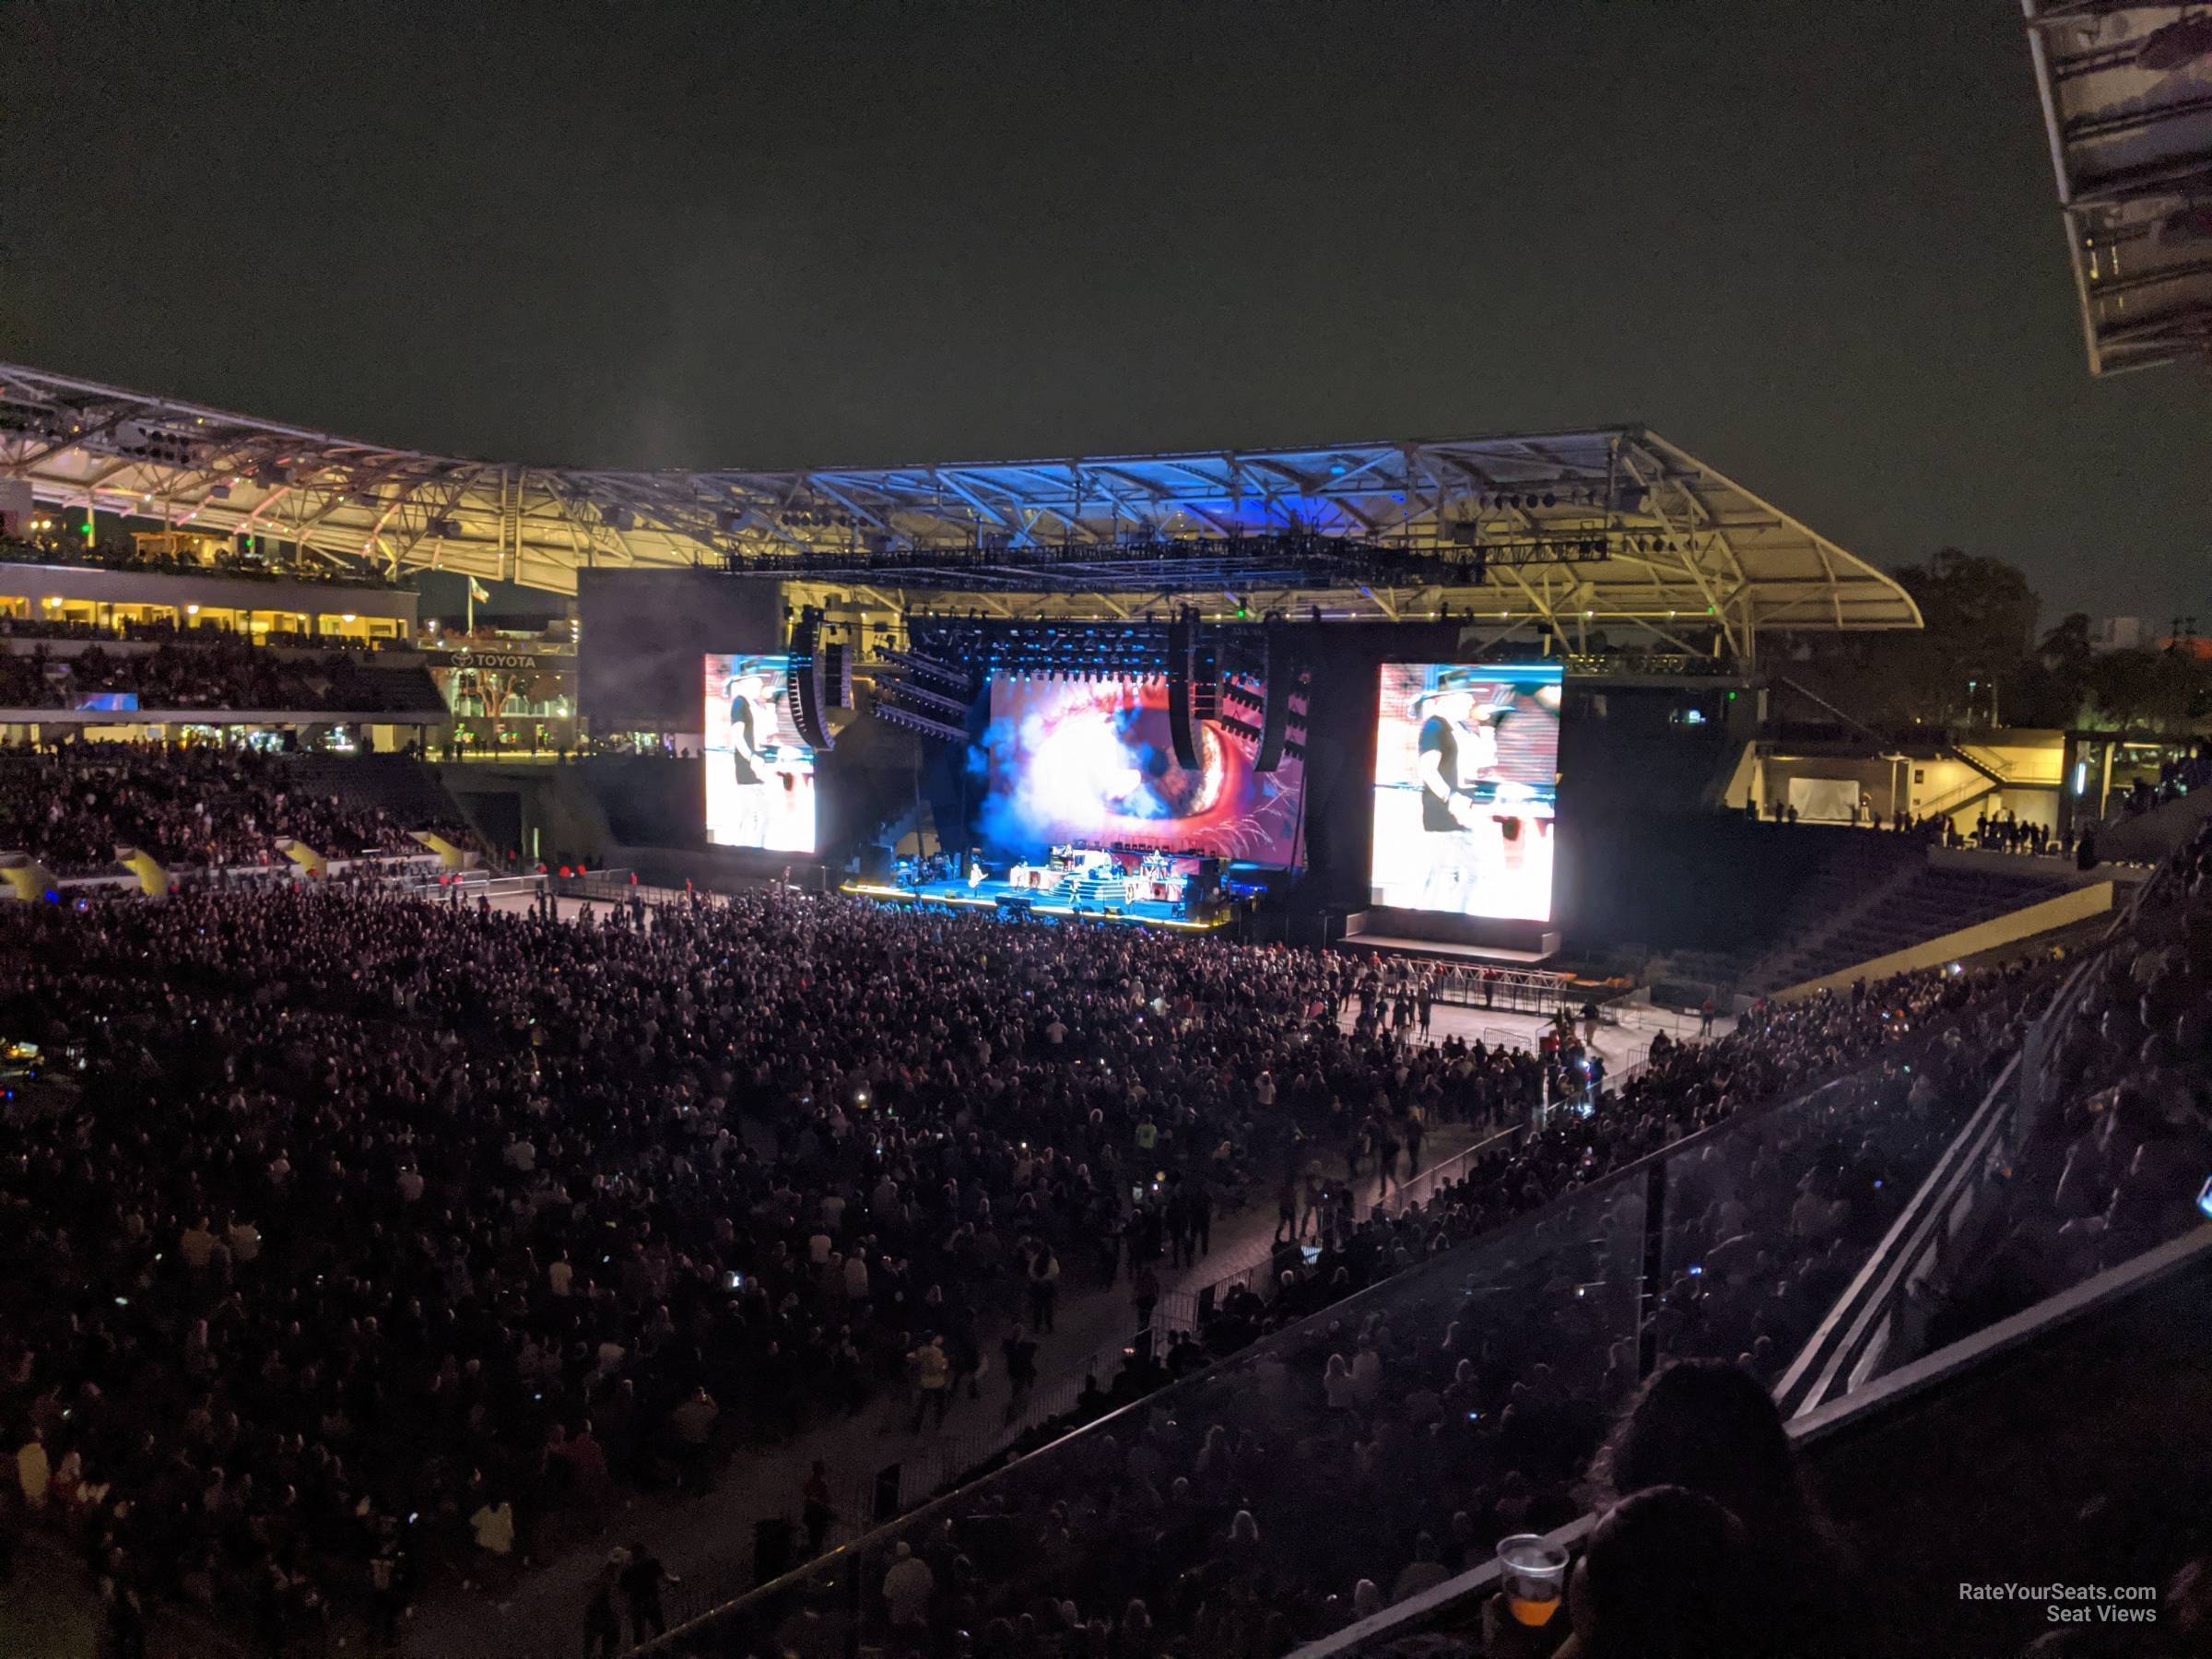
2075 1603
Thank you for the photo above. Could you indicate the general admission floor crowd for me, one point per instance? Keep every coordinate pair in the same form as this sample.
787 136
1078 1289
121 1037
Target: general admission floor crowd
374 1237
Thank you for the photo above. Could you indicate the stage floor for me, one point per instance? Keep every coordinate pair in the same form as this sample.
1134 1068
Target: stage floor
955 894
1397 945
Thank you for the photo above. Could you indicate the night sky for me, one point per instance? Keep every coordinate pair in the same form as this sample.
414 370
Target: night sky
1817 245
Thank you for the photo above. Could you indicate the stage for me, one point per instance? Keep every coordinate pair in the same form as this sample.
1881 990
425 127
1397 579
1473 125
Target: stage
1011 900
1498 956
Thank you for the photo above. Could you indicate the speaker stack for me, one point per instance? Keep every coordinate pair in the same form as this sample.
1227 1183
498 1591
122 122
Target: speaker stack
803 681
1275 716
1194 689
837 674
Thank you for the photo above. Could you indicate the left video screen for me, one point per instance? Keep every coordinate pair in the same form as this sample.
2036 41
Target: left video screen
759 775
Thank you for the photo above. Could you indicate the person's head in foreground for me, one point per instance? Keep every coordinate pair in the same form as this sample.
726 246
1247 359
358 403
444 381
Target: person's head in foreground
1709 1426
1665 1576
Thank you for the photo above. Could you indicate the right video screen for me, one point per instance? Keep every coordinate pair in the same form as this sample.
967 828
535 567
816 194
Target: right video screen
1467 788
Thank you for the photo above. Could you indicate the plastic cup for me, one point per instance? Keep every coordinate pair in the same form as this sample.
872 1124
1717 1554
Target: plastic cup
1532 1570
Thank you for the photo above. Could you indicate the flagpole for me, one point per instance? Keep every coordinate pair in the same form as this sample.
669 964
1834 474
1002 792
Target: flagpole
472 606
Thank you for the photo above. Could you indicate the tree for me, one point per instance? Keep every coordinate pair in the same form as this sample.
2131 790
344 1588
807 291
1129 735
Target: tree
2054 681
1978 616
2148 692
1970 659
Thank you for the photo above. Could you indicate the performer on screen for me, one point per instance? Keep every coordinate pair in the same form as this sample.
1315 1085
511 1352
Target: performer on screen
1460 784
752 727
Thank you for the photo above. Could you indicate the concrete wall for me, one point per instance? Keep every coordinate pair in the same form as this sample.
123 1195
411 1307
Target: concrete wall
2082 904
2053 868
2150 836
555 814
2029 806
1922 785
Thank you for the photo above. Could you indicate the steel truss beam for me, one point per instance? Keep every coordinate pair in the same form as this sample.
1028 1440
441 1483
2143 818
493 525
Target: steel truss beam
1361 529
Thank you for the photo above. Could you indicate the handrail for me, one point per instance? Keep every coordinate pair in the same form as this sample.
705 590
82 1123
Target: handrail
1450 1596
1902 1247
1966 794
1998 772
1933 1215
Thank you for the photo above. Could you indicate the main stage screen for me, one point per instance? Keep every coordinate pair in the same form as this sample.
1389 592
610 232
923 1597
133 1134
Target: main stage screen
759 776
1092 763
1466 786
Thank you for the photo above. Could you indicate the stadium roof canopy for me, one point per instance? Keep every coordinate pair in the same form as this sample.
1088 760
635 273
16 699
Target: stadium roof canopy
1585 530
2127 99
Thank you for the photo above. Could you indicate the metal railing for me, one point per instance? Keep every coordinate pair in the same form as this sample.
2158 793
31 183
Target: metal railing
1882 1311
620 887
1416 1190
466 887
1858 1331
1513 989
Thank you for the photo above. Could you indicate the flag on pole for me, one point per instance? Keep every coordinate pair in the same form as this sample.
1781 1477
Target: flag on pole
476 592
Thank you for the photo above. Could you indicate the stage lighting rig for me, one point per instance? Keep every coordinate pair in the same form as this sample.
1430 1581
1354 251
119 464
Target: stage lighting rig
921 668
924 688
936 731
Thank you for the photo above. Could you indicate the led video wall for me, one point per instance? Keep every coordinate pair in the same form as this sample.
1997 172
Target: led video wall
759 776
1091 763
1466 789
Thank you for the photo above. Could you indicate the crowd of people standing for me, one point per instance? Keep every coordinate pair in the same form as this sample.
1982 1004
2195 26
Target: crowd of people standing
375 1235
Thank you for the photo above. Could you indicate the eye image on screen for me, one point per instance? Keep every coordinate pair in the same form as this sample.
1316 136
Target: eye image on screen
759 776
1467 788
1093 762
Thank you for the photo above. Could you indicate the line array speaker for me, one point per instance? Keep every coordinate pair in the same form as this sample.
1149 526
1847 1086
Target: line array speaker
803 681
1182 679
1275 716
837 674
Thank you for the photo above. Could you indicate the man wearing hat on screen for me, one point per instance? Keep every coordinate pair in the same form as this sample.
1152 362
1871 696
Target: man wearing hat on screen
752 730
1460 716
